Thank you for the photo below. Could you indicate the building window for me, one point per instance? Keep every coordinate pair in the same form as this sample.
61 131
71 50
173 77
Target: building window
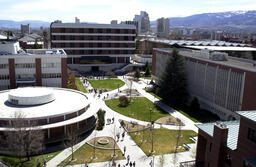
14 101
228 160
4 77
210 147
252 135
3 66
25 65
245 164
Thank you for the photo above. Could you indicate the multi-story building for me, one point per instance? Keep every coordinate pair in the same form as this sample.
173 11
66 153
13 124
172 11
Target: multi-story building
223 84
228 144
163 27
25 29
143 22
95 47
36 67
129 22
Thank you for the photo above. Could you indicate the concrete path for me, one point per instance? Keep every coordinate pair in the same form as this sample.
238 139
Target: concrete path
135 153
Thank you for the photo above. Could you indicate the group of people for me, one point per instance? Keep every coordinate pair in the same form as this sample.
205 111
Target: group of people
110 120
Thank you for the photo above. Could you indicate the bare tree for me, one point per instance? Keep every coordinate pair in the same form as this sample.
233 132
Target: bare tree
72 138
161 160
24 138
175 158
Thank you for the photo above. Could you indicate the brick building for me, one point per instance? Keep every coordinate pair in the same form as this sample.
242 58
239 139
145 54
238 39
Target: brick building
94 47
222 84
36 67
228 144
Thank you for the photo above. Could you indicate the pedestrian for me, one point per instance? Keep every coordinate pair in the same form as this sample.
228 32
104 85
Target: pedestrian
128 158
118 136
44 162
113 119
123 134
134 164
124 150
130 163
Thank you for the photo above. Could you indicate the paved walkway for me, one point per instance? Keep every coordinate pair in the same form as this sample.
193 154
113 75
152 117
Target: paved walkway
135 153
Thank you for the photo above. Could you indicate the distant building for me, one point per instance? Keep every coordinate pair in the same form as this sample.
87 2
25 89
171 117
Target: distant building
222 84
114 22
143 22
25 29
228 144
129 22
77 20
36 67
163 27
95 47
31 41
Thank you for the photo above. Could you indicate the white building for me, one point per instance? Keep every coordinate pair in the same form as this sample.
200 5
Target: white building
143 22
32 68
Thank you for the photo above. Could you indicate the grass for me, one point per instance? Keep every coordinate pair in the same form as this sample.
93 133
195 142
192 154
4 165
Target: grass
35 160
109 84
164 140
147 78
84 154
138 108
80 86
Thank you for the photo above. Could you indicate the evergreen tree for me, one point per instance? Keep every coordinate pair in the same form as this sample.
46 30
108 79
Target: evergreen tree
147 71
137 74
173 81
36 45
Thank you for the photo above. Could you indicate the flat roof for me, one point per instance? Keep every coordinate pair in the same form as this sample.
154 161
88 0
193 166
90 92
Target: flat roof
251 115
85 25
66 101
223 48
240 63
196 43
233 130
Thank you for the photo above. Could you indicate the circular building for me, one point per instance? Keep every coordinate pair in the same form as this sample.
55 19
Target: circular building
52 111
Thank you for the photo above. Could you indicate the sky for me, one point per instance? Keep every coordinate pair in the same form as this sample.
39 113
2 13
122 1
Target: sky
103 11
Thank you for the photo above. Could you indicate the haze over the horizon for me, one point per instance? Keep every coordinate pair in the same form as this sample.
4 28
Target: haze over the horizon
103 11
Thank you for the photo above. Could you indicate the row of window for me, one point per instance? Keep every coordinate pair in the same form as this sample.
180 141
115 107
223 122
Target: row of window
95 38
4 66
51 65
96 52
25 65
51 75
93 45
4 77
93 30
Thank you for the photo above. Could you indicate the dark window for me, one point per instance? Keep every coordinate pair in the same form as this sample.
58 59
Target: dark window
90 30
81 37
126 38
81 45
228 160
62 30
81 30
118 31
62 37
126 31
252 135
245 164
210 147
72 45
108 30
100 30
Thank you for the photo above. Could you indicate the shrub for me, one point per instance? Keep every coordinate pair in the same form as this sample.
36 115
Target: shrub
101 119
123 101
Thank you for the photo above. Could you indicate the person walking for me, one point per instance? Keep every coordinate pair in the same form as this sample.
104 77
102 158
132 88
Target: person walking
134 164
113 120
124 150
130 163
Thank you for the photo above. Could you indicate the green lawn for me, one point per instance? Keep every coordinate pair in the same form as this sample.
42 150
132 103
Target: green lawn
164 140
138 108
84 154
35 160
147 78
80 85
109 84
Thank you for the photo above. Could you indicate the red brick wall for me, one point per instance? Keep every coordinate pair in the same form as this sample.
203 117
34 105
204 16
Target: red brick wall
64 72
249 101
38 72
12 74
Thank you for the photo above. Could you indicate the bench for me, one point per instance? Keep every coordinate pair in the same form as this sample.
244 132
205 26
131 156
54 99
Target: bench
187 148
192 138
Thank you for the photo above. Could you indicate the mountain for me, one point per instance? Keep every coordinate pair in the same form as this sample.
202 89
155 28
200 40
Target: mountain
233 20
16 24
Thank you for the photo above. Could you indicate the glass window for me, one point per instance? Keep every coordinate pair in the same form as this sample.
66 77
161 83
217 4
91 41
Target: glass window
252 135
